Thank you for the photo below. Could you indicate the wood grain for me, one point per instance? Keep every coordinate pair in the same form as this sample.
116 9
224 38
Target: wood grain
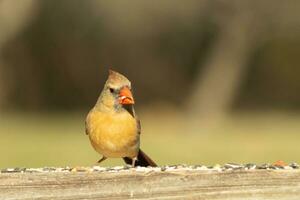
153 184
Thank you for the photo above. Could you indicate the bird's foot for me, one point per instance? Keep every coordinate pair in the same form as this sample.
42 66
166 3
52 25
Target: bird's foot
133 162
102 159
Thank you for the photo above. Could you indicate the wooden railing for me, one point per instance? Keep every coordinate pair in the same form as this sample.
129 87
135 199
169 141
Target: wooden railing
174 182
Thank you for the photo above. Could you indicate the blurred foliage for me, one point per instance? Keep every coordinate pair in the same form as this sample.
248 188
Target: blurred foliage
59 60
275 78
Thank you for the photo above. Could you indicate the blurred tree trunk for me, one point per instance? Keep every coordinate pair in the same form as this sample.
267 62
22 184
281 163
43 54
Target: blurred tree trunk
13 16
217 85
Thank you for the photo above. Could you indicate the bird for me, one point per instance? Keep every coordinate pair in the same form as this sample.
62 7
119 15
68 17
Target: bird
112 125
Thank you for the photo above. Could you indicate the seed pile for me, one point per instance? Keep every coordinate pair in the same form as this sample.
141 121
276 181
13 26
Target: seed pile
217 167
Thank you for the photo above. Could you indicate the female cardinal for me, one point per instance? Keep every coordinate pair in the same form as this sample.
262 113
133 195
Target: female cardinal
112 125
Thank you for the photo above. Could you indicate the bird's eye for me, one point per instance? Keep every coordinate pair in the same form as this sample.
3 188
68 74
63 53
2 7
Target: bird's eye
111 90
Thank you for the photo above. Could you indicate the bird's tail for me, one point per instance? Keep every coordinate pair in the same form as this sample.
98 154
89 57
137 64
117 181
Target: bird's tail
142 160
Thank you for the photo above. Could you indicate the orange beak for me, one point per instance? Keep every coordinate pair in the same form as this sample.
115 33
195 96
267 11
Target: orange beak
125 96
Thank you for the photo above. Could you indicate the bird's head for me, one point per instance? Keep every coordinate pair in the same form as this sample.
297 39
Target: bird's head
116 91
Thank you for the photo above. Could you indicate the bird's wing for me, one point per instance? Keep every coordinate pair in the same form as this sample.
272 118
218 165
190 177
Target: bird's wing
138 122
131 111
86 128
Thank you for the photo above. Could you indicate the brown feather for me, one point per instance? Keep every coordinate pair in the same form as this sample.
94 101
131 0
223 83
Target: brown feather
143 160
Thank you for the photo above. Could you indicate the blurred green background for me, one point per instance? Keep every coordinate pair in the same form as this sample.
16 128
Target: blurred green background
214 81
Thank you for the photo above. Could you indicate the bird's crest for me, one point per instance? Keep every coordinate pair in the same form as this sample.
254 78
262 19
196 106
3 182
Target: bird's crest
117 79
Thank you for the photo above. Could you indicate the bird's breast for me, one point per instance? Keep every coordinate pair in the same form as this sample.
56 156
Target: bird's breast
113 134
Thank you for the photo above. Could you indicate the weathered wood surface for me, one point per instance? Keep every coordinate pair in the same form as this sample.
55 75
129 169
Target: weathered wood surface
153 183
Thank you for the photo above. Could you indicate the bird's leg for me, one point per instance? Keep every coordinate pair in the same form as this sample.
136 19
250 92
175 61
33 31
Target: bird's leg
102 159
133 162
